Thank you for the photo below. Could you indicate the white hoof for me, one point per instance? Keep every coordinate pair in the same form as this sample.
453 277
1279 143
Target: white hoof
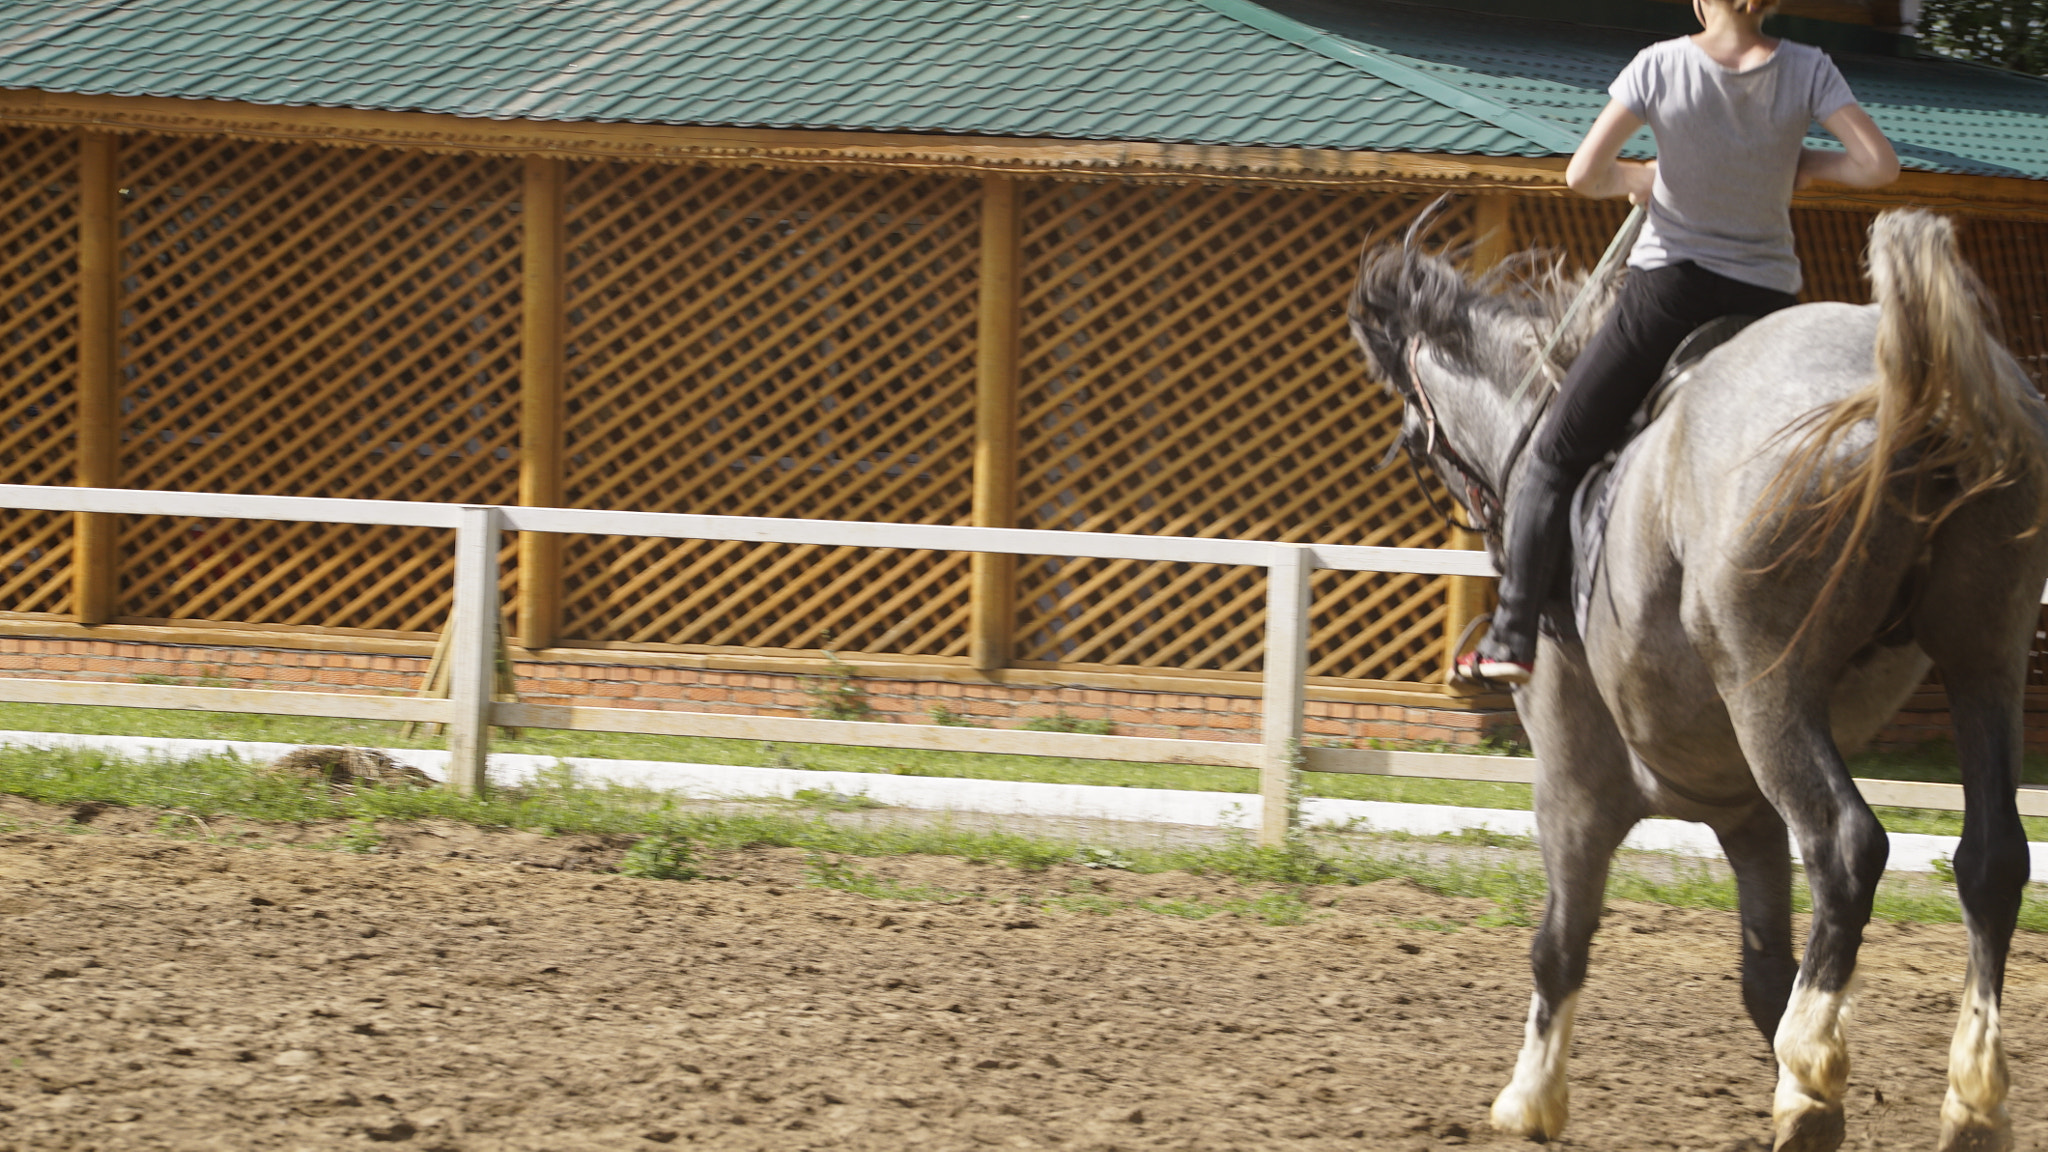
1802 1122
1813 1072
1973 1116
1532 1115
1964 1129
1537 1102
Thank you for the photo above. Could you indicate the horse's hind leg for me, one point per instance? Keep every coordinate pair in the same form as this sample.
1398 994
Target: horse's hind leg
1586 802
1991 865
1791 749
1982 655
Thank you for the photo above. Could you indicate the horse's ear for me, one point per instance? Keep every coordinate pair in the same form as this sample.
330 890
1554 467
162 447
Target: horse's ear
1424 220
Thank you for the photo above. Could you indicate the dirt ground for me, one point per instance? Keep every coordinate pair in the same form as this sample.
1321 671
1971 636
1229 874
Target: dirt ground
471 991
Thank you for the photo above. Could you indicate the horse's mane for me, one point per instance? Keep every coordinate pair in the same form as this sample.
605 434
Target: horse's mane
1403 291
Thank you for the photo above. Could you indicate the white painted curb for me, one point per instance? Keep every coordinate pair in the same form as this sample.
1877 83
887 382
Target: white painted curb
1911 852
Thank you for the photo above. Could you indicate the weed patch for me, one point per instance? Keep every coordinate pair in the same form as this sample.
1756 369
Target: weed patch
662 856
1059 721
831 800
837 695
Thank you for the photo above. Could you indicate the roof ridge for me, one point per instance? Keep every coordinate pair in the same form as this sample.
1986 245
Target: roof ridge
1533 129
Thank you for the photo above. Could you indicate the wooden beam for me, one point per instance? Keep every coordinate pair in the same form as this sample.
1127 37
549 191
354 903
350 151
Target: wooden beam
264 701
1469 596
755 147
993 577
96 535
540 400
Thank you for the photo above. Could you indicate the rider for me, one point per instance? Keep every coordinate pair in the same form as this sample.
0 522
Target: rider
1730 109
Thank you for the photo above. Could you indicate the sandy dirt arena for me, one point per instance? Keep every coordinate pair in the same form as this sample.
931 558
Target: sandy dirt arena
157 993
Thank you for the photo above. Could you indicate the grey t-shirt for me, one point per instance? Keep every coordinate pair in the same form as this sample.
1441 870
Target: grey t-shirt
1727 152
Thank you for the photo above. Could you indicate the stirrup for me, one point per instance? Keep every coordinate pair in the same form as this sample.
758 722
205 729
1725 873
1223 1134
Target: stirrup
1472 668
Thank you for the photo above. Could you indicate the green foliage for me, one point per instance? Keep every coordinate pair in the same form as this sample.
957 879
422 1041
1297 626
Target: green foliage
1059 721
831 800
362 836
837 695
833 872
947 718
661 856
1092 857
2008 33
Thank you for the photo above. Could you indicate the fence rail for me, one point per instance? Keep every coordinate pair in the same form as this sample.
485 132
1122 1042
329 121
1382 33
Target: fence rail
470 712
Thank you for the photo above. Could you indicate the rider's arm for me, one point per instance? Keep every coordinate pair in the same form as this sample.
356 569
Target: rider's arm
1596 169
1867 160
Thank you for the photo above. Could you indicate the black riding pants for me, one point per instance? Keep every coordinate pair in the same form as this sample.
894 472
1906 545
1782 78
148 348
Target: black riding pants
1654 312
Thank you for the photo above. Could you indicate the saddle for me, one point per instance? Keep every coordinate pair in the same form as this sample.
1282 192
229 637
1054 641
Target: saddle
1594 498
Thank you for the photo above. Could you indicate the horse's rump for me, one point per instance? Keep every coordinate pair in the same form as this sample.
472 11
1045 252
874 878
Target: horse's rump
1944 406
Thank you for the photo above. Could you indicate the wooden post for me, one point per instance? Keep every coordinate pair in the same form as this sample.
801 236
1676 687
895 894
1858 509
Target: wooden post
540 400
1469 596
473 651
992 577
96 535
1285 683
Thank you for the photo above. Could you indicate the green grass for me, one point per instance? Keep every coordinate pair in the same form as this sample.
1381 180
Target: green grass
671 837
1930 762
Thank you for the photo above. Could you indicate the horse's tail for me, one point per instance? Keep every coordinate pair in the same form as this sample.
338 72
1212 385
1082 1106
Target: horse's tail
1941 407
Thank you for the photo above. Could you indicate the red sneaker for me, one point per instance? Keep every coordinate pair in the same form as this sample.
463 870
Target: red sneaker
1473 668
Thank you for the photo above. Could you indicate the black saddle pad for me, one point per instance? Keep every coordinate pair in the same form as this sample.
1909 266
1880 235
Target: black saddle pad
1594 498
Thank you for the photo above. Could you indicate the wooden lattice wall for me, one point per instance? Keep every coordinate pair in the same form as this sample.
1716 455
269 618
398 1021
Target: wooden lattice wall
1187 372
312 322
348 322
38 358
764 343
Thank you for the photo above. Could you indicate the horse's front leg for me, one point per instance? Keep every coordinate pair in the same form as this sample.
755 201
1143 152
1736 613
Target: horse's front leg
1991 865
1795 759
1586 802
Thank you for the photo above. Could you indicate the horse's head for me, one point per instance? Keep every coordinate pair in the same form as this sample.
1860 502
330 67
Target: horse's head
1455 348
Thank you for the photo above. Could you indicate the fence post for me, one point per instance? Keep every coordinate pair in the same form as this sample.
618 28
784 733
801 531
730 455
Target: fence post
96 535
1467 596
992 578
540 399
1285 679
473 654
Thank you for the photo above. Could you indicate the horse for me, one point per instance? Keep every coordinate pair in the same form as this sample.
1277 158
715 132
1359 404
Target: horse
1838 498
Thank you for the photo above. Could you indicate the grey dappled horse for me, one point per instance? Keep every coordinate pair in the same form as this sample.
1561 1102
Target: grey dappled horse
1838 497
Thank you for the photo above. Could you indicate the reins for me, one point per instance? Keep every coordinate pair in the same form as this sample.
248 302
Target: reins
1624 238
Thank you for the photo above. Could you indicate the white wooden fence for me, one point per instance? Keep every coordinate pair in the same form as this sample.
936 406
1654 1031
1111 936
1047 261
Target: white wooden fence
470 712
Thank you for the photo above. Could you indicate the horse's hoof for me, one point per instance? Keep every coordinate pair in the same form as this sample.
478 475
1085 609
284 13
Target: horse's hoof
1814 1129
1520 1112
1965 1129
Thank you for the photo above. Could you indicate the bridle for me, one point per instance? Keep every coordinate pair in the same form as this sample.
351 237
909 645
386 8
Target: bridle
1481 499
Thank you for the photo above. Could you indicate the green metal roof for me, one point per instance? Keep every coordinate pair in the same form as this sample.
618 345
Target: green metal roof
1346 74
1942 115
